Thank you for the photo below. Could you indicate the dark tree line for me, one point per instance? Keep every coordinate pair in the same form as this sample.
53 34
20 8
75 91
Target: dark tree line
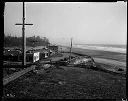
30 41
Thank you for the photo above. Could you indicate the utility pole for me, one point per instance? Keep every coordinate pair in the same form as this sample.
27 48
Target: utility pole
49 49
70 51
23 37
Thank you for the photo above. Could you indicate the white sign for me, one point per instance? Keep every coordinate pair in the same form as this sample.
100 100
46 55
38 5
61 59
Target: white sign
36 56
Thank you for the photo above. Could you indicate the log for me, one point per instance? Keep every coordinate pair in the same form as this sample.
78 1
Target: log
14 76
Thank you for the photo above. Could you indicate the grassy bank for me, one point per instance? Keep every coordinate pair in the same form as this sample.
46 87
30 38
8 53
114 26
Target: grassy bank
68 83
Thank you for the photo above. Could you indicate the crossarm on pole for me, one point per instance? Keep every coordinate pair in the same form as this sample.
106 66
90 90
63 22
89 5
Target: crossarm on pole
22 24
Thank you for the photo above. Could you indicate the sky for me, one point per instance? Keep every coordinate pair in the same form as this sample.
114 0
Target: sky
85 22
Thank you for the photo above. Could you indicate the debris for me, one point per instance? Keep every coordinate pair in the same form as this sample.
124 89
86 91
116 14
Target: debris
120 69
35 71
7 94
46 66
84 61
42 82
61 82
13 69
23 92
63 62
10 95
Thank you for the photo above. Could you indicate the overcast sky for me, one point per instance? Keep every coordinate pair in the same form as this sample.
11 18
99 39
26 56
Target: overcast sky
87 23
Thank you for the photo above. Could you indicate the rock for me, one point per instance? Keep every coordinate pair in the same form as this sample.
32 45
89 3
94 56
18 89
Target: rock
120 69
10 95
35 71
46 66
61 82
12 69
84 61
7 94
42 82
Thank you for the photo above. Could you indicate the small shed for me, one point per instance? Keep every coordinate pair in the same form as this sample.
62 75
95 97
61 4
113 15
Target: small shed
43 53
32 56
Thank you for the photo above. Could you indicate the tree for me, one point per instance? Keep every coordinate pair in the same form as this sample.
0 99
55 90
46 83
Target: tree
30 41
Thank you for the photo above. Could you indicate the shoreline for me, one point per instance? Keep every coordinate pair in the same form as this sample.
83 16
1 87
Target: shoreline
109 61
96 49
107 65
121 57
108 49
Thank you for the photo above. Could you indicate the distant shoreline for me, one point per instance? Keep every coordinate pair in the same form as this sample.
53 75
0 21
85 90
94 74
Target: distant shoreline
117 45
98 53
102 47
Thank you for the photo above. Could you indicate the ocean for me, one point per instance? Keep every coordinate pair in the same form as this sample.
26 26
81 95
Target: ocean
103 47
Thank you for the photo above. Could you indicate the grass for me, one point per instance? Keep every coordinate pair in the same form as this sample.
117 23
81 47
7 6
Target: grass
108 68
79 84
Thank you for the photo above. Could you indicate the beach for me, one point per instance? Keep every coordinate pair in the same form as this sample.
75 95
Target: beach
102 47
106 59
98 53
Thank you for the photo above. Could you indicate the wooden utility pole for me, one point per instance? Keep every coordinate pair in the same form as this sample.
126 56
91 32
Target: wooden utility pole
23 37
70 51
49 49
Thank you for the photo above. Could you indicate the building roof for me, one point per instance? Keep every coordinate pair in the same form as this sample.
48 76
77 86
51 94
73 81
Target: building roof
42 50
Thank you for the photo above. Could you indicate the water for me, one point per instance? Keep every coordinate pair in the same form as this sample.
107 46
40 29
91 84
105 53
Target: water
111 48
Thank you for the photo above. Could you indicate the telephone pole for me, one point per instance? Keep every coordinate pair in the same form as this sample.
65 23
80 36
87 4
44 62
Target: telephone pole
70 51
23 37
